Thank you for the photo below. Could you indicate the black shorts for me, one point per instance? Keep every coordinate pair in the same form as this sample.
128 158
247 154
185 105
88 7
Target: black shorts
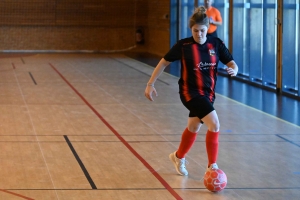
199 106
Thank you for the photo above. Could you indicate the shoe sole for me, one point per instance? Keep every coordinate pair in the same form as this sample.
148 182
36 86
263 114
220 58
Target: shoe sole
174 163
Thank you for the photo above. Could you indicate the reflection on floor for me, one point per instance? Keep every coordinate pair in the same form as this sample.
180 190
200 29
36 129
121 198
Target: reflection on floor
283 107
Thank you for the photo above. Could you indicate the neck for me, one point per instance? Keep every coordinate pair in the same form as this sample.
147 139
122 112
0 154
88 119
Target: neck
203 41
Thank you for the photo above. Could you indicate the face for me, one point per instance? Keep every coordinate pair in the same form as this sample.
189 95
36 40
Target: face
207 3
199 33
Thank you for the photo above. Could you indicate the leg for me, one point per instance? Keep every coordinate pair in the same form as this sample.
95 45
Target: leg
200 107
194 124
212 135
188 136
187 140
212 121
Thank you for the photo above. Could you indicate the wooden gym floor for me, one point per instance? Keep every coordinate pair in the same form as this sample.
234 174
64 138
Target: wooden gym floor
78 127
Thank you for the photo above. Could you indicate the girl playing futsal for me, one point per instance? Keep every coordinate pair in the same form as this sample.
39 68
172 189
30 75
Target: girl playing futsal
199 56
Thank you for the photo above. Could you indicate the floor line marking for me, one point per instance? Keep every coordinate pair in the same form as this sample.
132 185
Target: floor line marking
130 148
139 71
15 194
32 78
86 173
289 141
132 189
151 67
34 130
22 60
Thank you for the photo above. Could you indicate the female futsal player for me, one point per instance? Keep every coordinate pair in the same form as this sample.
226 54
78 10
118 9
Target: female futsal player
199 56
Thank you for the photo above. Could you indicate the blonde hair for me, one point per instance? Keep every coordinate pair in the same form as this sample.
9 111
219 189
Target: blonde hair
199 17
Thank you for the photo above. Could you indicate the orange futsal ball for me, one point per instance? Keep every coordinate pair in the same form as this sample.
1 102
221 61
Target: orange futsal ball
215 180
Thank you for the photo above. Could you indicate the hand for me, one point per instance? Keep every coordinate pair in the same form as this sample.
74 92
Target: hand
148 92
231 71
211 21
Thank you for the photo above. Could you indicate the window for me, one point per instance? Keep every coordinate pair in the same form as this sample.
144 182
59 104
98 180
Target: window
290 47
254 39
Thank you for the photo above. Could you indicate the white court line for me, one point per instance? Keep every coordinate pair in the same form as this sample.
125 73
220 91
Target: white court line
34 131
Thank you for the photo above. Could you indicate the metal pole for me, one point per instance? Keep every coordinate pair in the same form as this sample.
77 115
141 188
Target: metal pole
279 46
230 31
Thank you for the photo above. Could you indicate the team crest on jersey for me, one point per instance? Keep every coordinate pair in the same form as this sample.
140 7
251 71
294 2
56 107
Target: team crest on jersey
212 52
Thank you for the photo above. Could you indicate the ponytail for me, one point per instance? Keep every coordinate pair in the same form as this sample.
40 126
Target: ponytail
199 17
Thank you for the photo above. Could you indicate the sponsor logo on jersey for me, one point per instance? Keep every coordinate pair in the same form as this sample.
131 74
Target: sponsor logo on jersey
205 65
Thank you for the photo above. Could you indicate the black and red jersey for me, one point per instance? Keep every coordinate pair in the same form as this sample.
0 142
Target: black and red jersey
199 63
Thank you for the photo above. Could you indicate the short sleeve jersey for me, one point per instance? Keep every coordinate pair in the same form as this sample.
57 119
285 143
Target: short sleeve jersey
198 65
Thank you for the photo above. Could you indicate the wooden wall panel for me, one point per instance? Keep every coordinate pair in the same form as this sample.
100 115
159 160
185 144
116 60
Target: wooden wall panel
159 27
30 12
69 38
98 13
97 25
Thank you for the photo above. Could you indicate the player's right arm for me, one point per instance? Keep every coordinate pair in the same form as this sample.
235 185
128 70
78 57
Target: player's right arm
232 68
156 73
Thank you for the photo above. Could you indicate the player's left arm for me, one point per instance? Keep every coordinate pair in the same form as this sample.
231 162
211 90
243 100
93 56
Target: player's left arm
232 68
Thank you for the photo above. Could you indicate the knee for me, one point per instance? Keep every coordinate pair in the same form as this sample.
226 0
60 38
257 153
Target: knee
194 124
214 127
194 128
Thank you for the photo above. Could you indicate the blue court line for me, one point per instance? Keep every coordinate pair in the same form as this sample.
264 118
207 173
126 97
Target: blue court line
289 141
